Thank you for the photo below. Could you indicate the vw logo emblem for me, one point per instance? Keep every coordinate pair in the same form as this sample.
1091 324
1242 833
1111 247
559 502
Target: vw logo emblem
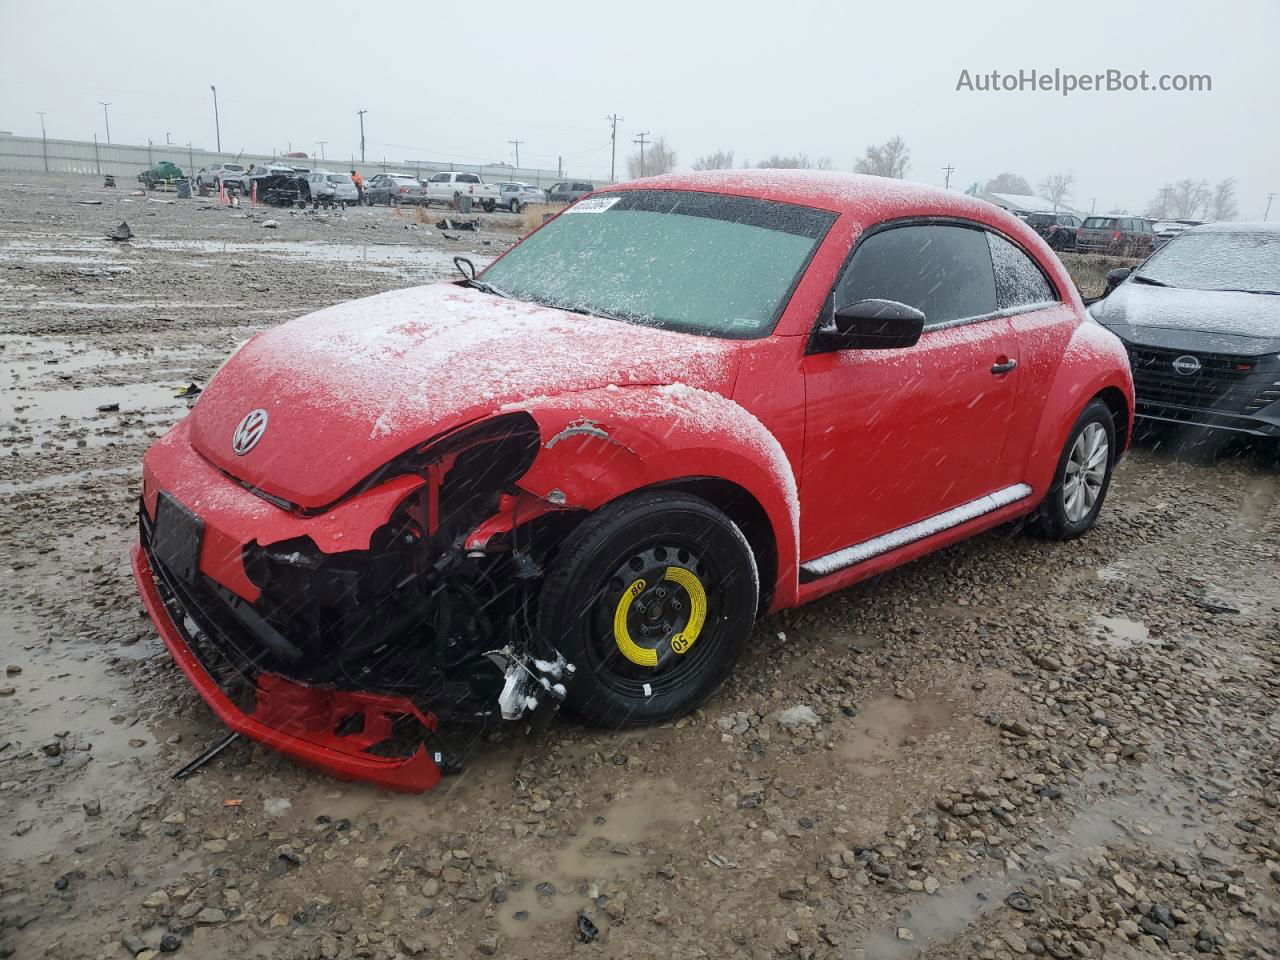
249 432
1185 365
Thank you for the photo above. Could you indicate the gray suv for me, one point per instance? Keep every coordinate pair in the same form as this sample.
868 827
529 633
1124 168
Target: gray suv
567 191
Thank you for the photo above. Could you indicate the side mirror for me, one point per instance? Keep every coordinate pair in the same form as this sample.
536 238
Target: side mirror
1115 278
873 325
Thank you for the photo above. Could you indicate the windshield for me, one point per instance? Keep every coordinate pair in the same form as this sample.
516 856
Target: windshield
700 262
1217 261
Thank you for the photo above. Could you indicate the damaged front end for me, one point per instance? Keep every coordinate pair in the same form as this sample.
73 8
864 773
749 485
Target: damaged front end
347 659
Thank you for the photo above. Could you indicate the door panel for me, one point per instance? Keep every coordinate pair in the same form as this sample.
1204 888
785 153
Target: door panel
893 437
896 436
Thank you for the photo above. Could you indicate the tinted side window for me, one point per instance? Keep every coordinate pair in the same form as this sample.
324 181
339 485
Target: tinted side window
942 270
1018 280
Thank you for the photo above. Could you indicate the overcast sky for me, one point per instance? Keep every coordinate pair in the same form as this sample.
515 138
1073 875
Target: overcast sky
457 81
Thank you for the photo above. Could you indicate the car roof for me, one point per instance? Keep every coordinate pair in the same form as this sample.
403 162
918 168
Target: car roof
1243 226
826 190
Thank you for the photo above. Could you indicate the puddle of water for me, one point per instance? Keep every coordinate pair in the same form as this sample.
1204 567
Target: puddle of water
1155 812
593 859
876 734
65 479
74 699
83 403
1121 632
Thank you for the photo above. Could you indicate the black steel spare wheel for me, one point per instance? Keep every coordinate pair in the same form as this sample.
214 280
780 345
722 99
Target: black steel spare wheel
652 599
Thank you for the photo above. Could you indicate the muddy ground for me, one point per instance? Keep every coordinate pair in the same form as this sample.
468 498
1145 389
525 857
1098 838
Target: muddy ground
1010 748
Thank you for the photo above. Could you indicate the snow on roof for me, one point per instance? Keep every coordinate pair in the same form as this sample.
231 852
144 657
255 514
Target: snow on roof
1027 203
1238 226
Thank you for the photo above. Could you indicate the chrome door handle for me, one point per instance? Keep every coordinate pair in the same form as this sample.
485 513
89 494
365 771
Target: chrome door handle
1008 366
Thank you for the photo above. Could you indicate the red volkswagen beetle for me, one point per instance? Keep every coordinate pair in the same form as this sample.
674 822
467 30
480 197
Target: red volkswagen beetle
683 403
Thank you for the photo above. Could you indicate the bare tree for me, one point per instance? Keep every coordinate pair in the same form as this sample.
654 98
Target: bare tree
1222 205
1158 206
1008 183
720 160
1190 198
657 158
799 161
1057 187
889 159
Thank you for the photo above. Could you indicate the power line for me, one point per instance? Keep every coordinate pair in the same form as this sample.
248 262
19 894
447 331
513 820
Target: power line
640 139
613 119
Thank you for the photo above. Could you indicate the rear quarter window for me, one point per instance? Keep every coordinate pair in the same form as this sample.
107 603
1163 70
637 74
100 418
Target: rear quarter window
1019 282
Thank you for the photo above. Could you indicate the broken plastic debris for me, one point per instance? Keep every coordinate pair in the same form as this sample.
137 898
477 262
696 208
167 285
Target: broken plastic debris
122 232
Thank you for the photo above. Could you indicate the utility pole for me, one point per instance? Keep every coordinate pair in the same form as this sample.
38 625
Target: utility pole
360 114
640 139
191 161
217 124
949 168
1164 201
106 119
97 160
559 167
168 142
516 144
44 141
321 144
149 161
613 119
1267 213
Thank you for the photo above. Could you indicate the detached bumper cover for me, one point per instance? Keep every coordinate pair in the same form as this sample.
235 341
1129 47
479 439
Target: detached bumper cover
297 720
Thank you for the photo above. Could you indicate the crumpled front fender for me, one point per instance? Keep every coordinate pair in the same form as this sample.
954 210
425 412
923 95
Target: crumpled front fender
598 445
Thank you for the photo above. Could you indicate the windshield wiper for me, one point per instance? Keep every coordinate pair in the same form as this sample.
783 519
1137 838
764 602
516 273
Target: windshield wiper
485 287
593 312
1139 278
1267 293
468 271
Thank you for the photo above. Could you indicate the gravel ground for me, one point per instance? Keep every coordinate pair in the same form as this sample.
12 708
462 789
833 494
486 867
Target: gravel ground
1011 747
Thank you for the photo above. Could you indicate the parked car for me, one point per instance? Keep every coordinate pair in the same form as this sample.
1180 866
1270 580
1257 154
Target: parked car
568 191
393 189
1166 230
327 187
216 173
1058 229
514 195
450 187
1201 322
1118 236
584 473
165 171
265 171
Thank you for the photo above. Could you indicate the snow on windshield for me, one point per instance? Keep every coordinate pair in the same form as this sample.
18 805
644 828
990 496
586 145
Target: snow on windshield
1245 260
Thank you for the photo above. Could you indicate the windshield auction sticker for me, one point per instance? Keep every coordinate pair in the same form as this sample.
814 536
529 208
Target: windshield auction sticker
593 205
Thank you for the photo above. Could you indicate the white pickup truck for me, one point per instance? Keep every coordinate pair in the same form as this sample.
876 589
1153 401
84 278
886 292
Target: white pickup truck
450 186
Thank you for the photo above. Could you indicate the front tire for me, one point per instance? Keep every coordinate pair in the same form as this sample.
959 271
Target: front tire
652 599
1082 478
515 206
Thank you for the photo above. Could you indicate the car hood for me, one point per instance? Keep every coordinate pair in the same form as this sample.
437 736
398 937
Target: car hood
1214 321
350 387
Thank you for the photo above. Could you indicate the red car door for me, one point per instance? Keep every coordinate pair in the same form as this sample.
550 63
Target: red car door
896 436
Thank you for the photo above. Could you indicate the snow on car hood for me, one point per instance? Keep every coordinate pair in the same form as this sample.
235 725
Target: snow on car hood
1215 320
348 388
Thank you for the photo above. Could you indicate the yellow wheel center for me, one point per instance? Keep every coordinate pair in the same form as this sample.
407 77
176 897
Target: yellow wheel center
682 641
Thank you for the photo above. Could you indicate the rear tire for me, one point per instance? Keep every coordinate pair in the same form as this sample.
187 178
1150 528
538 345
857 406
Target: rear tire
1082 478
515 206
652 599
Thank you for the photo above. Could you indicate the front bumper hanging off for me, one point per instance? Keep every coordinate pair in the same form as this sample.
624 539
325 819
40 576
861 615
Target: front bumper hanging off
300 721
